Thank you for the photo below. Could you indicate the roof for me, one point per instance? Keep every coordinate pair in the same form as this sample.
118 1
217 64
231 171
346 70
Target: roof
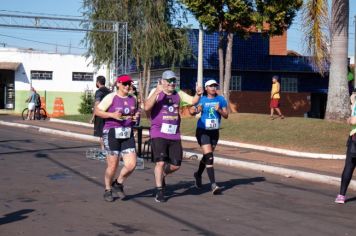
9 65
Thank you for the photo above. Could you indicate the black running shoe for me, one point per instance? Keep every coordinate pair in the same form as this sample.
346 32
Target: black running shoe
118 189
215 189
198 183
108 196
160 196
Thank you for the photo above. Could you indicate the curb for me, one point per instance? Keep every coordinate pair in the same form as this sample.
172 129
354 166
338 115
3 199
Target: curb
288 173
240 145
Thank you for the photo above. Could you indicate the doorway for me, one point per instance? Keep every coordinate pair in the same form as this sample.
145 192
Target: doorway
7 89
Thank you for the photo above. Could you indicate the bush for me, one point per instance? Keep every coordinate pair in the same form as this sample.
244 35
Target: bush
87 104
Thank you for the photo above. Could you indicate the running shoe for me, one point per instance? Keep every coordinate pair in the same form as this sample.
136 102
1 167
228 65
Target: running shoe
101 156
160 196
108 196
198 183
118 189
215 189
340 199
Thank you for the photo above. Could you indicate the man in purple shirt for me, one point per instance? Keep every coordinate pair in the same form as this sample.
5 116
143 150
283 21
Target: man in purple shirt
163 104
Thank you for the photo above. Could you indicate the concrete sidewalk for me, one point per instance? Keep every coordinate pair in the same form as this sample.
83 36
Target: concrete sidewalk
325 171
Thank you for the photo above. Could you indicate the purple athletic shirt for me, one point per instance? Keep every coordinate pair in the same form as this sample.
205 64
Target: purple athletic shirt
127 106
165 112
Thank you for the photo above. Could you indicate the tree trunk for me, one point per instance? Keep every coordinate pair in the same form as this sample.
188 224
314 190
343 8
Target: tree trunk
228 61
221 58
337 107
147 74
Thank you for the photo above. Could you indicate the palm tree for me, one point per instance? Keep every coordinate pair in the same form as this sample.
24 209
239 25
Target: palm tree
315 20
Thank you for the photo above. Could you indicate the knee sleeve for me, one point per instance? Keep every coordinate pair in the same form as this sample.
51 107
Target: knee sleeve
208 158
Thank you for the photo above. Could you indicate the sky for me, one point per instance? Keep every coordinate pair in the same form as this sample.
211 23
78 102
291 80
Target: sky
70 42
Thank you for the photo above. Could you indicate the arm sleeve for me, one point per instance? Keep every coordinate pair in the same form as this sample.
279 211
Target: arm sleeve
106 102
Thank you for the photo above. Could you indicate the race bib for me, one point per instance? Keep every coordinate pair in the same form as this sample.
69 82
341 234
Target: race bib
212 124
169 129
122 132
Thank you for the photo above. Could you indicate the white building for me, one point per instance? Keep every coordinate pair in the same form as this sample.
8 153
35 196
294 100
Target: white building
52 75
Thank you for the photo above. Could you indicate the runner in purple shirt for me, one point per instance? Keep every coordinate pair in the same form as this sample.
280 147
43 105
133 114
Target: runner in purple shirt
163 103
120 111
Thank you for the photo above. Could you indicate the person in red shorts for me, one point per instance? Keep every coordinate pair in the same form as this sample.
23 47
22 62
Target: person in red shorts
275 96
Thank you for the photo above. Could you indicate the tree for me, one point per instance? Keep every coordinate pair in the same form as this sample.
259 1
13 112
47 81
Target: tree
240 17
315 17
152 34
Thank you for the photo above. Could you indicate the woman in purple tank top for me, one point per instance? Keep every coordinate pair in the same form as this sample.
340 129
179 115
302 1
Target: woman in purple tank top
120 111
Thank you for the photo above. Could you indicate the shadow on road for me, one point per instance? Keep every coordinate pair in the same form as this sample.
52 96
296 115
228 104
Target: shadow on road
191 190
351 199
15 216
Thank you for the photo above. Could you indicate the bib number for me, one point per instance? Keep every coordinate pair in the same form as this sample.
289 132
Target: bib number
212 124
169 129
122 132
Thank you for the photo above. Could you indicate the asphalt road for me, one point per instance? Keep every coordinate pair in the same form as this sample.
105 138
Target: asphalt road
48 187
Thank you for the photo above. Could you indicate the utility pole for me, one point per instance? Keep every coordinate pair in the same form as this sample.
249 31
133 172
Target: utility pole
200 57
355 53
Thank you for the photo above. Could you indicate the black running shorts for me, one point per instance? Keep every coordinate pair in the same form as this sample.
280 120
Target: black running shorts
207 136
167 150
98 126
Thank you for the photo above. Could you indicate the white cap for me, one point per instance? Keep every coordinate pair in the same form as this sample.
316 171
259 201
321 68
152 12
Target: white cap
210 82
168 74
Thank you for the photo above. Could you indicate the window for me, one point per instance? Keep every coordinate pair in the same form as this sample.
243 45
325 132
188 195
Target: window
41 75
82 76
235 83
289 85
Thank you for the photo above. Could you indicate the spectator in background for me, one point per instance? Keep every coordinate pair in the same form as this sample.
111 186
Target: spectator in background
31 104
37 105
98 121
275 96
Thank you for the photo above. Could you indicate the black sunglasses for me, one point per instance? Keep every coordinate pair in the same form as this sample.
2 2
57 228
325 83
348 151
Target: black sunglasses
172 80
126 83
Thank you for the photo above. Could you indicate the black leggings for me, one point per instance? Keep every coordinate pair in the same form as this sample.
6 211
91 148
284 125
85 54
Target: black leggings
349 168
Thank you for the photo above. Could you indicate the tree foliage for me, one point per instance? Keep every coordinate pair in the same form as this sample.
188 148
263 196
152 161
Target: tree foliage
153 32
331 51
241 17
315 26
87 102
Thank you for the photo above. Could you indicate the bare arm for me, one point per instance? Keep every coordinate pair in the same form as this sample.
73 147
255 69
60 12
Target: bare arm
93 116
151 100
351 120
223 112
104 114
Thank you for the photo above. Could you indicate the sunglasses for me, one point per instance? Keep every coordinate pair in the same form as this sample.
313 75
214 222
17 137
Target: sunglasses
172 80
126 83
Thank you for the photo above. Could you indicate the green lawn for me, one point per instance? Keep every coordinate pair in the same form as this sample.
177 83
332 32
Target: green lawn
300 134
